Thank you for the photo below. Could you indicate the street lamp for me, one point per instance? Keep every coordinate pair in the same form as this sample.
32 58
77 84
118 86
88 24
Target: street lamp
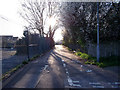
26 34
98 32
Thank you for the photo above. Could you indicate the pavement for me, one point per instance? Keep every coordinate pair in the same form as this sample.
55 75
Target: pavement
11 60
59 68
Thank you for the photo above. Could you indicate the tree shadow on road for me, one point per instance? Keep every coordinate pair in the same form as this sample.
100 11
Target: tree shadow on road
95 75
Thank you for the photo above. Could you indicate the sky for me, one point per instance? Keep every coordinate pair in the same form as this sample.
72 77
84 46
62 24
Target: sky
11 23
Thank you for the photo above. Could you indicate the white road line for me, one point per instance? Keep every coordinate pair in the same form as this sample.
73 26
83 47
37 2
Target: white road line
62 60
94 83
76 85
70 81
117 82
89 71
75 81
98 86
64 64
45 67
115 86
67 72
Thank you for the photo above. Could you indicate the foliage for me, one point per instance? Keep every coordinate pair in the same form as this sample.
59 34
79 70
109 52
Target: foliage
110 61
80 21
11 71
82 55
104 61
25 62
78 53
35 57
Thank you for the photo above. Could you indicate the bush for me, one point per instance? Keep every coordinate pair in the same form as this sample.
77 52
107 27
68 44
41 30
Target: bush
24 62
104 61
84 56
78 53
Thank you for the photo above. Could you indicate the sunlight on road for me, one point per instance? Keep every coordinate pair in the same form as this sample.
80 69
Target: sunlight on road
59 47
51 61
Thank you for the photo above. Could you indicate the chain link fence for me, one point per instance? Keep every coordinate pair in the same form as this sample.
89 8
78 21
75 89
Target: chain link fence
25 49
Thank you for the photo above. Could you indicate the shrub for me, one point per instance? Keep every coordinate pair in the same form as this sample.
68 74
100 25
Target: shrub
78 53
84 56
24 62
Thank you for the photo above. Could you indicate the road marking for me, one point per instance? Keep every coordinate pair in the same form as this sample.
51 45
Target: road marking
35 62
76 85
64 64
67 72
94 83
89 71
98 86
48 71
117 82
115 86
62 60
75 81
45 67
70 81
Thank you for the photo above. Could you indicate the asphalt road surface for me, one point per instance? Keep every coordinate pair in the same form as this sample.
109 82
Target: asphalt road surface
59 68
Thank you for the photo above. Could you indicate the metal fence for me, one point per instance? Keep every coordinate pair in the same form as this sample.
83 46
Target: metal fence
41 45
24 51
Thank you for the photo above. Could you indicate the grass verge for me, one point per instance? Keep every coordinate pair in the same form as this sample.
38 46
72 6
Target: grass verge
7 74
104 61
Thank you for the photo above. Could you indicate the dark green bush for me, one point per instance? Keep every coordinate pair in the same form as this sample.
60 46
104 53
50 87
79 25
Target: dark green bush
25 62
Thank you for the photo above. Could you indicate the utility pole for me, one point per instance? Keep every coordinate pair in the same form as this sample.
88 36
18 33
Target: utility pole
98 51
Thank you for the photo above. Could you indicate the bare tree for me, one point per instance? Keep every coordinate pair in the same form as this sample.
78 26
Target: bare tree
33 13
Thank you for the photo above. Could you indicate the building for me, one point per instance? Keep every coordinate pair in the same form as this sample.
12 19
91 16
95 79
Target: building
8 41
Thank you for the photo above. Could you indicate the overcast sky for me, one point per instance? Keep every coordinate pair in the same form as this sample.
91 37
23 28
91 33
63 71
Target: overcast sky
10 21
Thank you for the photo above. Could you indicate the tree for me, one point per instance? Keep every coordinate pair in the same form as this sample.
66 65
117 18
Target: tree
80 21
36 14
33 14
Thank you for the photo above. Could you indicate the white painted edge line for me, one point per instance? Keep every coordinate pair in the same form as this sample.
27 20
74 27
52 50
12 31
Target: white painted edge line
75 81
67 72
62 60
115 86
76 85
94 83
64 64
115 83
98 86
70 81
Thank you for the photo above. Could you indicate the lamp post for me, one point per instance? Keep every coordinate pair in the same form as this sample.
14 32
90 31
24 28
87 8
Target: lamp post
26 33
98 32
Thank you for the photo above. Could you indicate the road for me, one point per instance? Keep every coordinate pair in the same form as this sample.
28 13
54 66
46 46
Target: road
59 68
